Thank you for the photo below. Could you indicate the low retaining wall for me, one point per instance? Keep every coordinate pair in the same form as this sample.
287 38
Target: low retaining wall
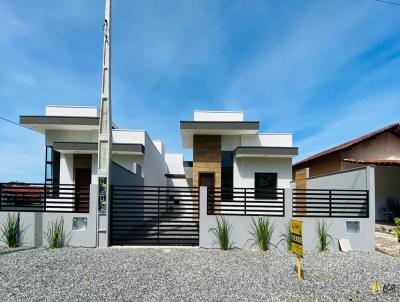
34 225
241 226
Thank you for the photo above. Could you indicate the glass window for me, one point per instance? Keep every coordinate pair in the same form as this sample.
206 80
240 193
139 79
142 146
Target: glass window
352 227
263 183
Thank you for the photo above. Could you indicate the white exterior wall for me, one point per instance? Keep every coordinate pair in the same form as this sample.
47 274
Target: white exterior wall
66 168
154 168
267 140
230 142
84 111
70 136
122 136
217 116
244 169
174 163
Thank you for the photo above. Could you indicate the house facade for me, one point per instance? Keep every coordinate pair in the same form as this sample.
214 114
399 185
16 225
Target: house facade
380 148
229 152
71 138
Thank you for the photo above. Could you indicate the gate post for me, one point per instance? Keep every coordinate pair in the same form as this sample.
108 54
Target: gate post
158 216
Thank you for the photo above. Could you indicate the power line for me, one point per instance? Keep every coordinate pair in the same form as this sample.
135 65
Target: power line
388 2
12 122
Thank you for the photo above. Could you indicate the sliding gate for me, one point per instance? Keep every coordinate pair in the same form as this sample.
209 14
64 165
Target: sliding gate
154 215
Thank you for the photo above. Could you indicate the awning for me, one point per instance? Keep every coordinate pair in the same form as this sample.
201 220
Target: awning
266 152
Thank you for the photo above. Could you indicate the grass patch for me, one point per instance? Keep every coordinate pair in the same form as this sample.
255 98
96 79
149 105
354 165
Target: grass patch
397 229
287 236
55 234
322 230
222 233
261 231
11 231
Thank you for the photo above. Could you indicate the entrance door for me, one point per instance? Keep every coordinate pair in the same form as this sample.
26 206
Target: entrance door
208 180
82 186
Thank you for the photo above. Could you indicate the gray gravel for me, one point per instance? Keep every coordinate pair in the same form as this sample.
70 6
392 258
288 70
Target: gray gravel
73 274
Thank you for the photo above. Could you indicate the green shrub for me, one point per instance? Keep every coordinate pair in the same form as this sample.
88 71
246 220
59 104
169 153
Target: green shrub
397 230
287 236
222 233
323 236
55 234
262 230
11 231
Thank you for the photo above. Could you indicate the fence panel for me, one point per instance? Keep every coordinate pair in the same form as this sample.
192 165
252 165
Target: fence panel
35 197
246 202
330 203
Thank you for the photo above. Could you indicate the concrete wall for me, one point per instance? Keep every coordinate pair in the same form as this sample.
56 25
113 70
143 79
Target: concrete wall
35 225
123 177
154 167
244 169
364 240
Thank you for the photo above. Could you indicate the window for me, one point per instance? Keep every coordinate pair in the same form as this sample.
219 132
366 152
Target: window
263 183
352 227
52 171
227 174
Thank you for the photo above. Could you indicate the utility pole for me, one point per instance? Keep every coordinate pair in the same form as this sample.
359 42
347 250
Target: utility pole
105 135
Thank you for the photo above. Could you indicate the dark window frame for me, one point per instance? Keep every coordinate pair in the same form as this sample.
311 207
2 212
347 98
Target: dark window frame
53 162
263 192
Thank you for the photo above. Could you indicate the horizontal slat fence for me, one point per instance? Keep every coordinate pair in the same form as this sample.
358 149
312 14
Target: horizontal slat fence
37 197
330 203
152 215
245 202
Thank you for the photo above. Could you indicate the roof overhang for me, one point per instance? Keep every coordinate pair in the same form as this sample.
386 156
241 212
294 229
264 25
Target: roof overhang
191 128
41 123
92 147
285 152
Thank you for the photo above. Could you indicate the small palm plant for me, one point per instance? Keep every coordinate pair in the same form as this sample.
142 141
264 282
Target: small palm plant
262 230
323 236
55 235
11 231
222 233
397 230
287 236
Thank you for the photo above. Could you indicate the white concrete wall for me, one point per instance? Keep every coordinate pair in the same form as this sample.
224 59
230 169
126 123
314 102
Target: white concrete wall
230 142
154 168
267 140
83 111
35 225
387 184
245 168
217 116
127 160
66 168
122 136
70 136
241 225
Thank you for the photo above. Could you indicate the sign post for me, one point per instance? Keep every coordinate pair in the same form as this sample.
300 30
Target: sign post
296 228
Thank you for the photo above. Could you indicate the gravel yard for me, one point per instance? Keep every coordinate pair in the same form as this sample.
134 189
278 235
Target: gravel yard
73 274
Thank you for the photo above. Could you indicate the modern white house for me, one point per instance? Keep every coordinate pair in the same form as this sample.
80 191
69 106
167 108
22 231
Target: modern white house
71 134
230 152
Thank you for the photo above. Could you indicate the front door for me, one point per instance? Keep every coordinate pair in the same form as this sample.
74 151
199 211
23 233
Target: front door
208 180
82 186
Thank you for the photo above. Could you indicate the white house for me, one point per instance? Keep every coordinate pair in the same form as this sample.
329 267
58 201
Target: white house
230 152
71 149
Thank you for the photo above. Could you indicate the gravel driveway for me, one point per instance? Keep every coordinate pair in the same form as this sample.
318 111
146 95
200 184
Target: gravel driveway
73 274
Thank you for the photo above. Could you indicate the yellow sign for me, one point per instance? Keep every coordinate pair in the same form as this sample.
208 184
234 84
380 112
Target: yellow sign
297 243
376 288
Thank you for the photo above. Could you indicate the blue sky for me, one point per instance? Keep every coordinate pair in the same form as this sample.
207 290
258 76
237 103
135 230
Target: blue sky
327 71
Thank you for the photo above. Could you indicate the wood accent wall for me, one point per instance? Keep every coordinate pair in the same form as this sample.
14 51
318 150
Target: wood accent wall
207 157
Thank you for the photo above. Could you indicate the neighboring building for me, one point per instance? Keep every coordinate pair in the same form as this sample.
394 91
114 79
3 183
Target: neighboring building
380 148
230 152
71 135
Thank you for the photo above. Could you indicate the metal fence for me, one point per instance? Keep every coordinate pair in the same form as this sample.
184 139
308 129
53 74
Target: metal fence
37 197
246 202
330 203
